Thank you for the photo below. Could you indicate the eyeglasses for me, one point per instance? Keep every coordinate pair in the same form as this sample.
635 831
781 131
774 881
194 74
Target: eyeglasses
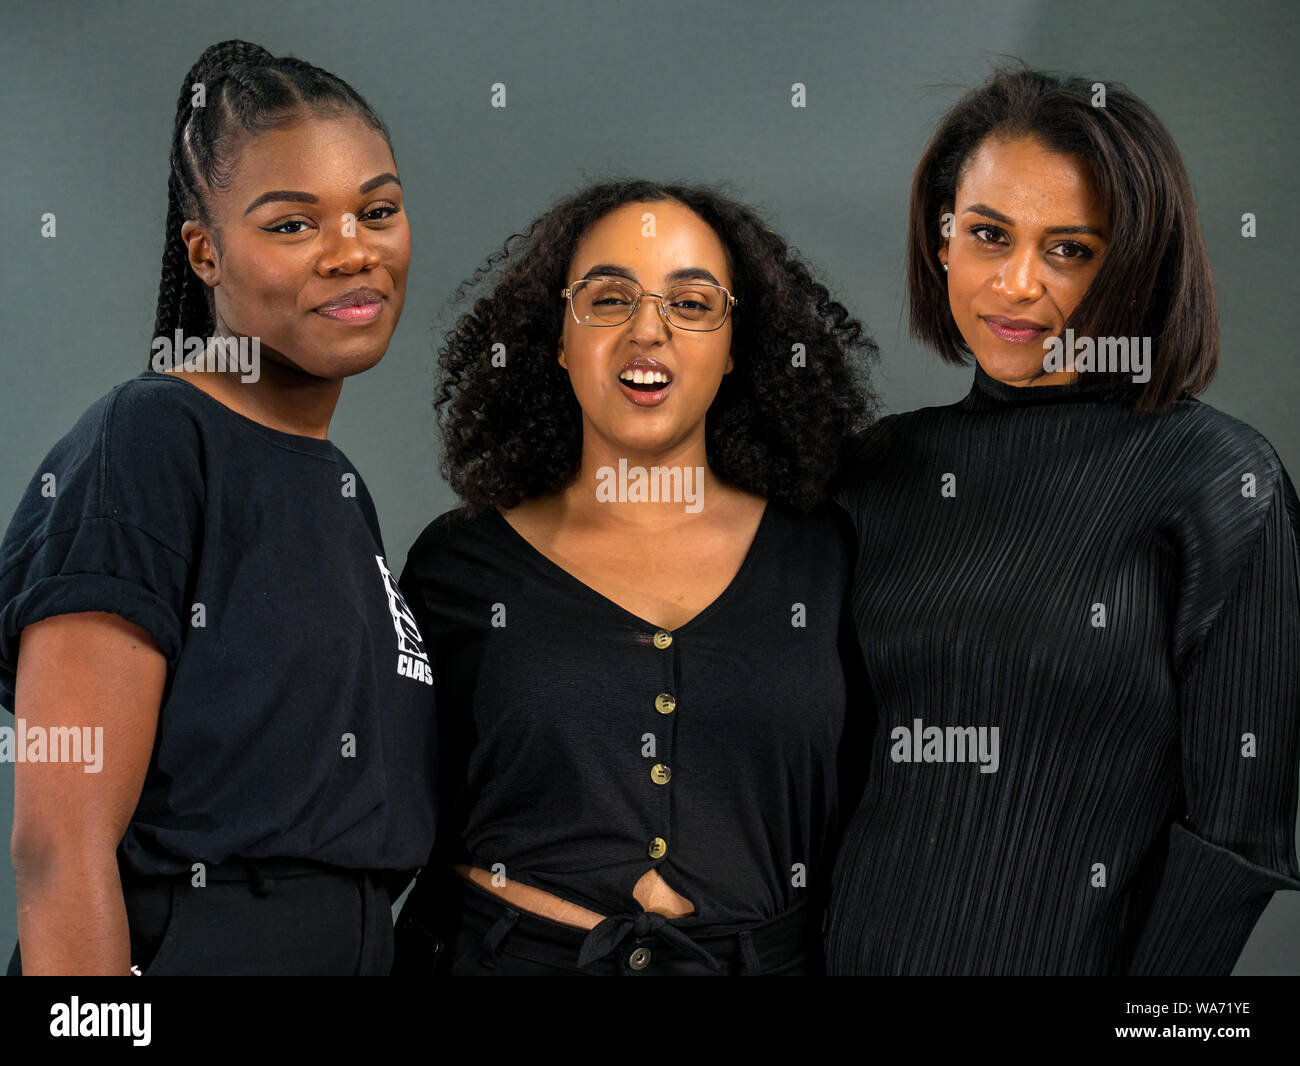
699 306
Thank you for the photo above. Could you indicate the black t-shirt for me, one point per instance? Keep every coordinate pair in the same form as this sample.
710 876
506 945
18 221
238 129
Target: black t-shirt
582 746
298 715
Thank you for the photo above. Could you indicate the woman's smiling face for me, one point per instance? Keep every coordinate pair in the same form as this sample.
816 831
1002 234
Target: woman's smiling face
1028 237
311 245
675 246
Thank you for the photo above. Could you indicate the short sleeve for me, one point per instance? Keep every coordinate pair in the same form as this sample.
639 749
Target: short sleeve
109 522
1239 708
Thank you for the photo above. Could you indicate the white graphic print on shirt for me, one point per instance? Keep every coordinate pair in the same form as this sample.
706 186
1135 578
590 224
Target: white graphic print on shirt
413 661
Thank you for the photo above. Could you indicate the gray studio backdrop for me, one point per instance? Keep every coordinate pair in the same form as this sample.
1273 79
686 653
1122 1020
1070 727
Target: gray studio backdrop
88 97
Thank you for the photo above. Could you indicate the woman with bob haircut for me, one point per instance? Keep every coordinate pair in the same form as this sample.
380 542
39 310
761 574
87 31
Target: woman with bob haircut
1076 592
644 660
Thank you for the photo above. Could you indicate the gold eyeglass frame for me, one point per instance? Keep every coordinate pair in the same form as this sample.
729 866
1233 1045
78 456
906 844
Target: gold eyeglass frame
567 294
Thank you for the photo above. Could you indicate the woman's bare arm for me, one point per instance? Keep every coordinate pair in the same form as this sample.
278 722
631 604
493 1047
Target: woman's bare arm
80 670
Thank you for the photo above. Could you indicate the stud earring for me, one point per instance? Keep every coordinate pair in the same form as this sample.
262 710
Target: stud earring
945 268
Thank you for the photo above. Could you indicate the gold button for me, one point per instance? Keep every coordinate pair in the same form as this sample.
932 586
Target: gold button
660 774
665 704
662 639
658 848
639 959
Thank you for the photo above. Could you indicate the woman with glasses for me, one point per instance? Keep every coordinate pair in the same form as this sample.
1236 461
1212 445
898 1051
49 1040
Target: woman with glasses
637 615
1077 587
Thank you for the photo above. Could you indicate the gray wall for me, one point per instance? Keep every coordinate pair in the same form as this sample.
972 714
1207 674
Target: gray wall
88 96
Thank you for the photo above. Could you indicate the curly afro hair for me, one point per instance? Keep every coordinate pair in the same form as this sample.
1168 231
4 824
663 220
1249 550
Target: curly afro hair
777 426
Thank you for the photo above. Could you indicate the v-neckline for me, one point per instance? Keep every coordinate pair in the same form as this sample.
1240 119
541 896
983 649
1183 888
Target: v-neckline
709 608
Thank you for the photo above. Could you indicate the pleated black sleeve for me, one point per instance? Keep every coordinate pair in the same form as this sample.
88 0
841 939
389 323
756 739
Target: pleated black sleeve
1238 703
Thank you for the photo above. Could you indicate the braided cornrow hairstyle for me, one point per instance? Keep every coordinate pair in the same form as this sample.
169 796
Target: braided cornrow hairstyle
247 91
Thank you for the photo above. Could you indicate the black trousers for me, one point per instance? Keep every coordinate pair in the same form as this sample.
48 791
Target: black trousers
264 917
458 929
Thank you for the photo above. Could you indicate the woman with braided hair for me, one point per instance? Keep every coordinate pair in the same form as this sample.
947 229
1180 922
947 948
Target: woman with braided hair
194 586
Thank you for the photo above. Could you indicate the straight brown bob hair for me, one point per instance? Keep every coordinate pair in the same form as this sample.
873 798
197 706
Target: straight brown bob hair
1155 280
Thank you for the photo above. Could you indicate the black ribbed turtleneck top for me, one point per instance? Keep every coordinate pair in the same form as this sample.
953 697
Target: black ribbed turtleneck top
1082 630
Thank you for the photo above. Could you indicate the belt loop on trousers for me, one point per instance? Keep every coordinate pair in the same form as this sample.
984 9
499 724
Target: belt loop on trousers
748 954
498 933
